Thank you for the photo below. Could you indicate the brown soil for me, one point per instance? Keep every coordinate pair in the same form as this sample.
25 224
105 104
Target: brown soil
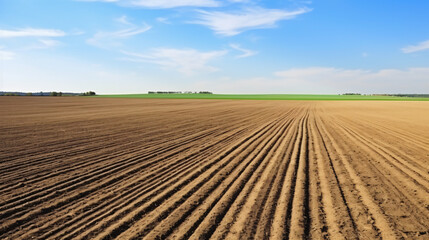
91 168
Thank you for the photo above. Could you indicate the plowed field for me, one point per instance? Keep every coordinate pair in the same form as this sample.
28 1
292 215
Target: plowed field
89 168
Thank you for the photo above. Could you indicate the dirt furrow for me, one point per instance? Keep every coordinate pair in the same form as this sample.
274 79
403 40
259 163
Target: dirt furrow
398 168
250 163
137 187
234 224
381 222
281 223
92 168
116 227
339 221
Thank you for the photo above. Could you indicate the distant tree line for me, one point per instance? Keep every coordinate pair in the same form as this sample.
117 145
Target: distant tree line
53 94
90 93
179 92
404 95
10 94
394 95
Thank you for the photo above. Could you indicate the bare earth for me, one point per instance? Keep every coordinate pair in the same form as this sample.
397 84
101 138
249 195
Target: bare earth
90 168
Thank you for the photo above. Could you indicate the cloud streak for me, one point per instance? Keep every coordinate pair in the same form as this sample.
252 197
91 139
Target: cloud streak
163 20
230 24
186 61
174 3
416 48
160 4
108 39
31 32
123 20
245 52
48 43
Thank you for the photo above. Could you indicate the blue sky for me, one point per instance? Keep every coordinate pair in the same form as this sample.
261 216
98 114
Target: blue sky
230 46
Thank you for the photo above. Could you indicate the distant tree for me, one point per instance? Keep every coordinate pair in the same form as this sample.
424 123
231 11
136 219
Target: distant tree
90 93
54 94
29 94
60 94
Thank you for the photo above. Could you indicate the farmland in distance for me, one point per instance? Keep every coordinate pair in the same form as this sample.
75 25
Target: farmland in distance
109 168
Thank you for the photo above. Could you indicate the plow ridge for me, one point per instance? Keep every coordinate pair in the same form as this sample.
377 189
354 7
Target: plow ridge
139 187
331 212
195 169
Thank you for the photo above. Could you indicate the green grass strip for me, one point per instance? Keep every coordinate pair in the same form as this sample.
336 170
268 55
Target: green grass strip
267 97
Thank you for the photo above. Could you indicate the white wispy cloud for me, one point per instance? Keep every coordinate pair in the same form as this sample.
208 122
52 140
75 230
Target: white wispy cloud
123 20
174 3
162 3
108 39
31 32
6 55
163 20
239 1
229 24
186 61
49 43
301 2
76 32
123 33
42 44
245 52
416 48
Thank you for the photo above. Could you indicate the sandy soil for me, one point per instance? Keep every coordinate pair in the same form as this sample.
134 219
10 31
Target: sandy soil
89 168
